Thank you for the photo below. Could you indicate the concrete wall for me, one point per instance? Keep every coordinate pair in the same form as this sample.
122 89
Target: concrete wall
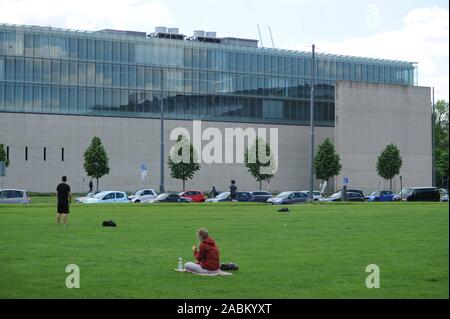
128 143
370 116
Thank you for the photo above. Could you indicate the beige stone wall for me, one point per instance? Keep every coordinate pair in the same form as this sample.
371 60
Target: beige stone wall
129 142
370 116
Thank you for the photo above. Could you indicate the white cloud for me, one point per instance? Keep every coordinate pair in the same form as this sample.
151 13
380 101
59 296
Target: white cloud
138 15
423 38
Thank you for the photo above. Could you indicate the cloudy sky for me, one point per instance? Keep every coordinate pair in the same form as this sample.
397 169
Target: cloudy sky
412 30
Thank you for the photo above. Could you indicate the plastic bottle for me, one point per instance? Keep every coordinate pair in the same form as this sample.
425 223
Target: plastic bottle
180 263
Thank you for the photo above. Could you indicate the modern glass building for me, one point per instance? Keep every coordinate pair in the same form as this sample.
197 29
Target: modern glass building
125 74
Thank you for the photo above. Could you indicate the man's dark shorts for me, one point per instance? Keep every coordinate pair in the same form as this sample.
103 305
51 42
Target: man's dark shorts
63 208
233 196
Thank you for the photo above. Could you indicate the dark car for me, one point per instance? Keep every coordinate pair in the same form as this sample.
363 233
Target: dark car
290 197
337 197
225 197
360 192
261 196
421 194
169 198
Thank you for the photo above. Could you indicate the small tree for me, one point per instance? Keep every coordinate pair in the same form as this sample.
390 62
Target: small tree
261 166
389 163
182 160
3 157
96 160
327 161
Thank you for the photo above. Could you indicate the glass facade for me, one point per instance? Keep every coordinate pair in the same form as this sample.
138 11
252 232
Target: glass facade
49 70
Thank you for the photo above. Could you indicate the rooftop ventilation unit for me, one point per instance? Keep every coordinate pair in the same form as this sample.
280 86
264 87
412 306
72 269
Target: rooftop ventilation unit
167 33
202 36
160 29
199 33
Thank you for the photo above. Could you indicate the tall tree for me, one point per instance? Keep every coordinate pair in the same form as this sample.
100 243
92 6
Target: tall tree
327 161
3 155
441 144
389 163
96 162
182 160
260 161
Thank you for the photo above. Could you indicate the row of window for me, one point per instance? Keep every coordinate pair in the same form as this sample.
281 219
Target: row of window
26 154
156 52
115 76
77 100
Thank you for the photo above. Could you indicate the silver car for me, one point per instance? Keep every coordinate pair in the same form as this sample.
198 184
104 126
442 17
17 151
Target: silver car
143 196
14 196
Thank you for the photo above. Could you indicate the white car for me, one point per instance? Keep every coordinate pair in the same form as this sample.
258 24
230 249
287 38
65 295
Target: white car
108 197
83 198
444 194
143 196
14 196
316 195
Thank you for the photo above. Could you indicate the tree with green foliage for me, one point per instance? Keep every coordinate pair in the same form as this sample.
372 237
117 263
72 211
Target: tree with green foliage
96 162
389 163
260 161
441 145
183 160
327 161
3 155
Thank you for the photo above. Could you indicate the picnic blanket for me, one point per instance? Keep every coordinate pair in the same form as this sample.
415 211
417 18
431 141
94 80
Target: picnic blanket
210 273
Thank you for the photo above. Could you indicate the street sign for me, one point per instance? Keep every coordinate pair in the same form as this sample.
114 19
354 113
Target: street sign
143 171
345 180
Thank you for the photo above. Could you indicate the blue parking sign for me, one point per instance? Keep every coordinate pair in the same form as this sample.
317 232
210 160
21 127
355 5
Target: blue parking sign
345 180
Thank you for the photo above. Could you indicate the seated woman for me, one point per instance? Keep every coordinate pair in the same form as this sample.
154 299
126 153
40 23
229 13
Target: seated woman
207 255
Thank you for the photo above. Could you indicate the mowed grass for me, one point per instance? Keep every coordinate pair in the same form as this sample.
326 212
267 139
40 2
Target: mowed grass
314 251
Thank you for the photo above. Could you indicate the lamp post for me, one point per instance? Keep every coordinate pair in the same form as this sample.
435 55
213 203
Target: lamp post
161 172
311 126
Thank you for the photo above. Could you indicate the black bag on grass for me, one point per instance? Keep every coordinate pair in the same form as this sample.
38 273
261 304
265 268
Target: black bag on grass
229 266
109 223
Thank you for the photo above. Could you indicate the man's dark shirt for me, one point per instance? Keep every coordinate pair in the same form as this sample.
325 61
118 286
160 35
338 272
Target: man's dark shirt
63 193
233 189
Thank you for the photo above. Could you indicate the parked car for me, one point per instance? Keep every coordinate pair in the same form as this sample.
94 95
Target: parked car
14 196
142 196
261 196
196 196
83 198
225 197
108 197
169 198
360 192
419 194
290 197
380 196
444 194
337 197
316 195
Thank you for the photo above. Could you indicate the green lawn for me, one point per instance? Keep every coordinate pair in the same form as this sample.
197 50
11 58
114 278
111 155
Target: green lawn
314 251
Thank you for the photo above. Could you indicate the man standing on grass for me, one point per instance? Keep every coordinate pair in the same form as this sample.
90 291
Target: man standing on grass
64 198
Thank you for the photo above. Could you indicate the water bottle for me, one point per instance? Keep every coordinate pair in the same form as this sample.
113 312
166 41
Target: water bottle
180 263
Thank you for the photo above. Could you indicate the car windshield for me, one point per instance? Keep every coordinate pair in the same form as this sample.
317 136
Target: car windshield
374 193
223 195
283 194
161 196
407 191
336 195
443 191
101 194
137 192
